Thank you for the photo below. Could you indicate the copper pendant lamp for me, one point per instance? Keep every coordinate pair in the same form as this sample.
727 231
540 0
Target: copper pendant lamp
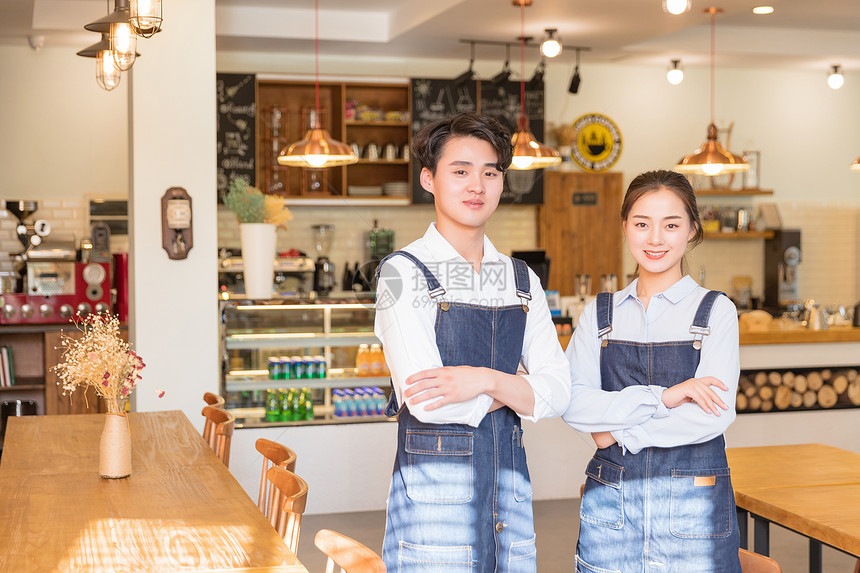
529 153
318 149
856 165
712 158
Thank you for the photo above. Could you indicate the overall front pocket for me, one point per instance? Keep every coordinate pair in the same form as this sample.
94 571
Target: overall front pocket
439 466
602 501
702 503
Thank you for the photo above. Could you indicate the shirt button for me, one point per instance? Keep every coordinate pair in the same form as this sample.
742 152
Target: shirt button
499 527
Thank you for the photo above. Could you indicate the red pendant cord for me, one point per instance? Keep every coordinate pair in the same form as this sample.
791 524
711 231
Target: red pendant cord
317 61
713 51
523 58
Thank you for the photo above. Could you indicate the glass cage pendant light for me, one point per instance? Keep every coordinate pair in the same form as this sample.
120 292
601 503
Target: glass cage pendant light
529 153
712 158
145 17
318 149
107 74
123 40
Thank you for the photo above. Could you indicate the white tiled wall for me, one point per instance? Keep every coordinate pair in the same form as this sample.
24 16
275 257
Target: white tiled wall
67 219
511 228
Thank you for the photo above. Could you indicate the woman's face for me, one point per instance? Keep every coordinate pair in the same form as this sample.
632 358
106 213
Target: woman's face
658 230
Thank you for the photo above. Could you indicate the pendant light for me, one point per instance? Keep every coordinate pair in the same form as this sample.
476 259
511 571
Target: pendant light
675 75
835 79
551 46
107 74
145 17
123 40
318 149
529 153
711 158
856 165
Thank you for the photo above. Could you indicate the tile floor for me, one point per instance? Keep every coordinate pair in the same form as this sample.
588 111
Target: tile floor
556 525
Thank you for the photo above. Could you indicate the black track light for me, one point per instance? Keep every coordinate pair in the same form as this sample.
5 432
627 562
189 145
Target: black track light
576 79
536 82
469 74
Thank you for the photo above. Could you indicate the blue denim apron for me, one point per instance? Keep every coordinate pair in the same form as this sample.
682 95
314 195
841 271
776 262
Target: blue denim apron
662 509
460 497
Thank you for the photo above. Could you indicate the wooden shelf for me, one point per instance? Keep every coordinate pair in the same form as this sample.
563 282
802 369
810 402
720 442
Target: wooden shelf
382 123
730 192
741 235
382 162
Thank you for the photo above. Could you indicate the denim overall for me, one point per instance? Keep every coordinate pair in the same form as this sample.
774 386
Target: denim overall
662 509
460 497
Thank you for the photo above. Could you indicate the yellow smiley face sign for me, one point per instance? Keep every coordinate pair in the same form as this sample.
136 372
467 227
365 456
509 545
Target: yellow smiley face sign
597 143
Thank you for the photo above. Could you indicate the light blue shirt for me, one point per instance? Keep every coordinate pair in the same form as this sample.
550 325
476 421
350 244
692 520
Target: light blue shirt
636 415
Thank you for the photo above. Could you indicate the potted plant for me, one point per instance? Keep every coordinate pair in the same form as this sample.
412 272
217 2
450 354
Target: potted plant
259 217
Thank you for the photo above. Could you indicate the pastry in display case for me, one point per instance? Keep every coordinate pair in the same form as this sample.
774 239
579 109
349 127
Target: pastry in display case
302 362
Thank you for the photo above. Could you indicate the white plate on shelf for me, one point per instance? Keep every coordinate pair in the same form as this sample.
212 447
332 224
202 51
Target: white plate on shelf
364 190
396 188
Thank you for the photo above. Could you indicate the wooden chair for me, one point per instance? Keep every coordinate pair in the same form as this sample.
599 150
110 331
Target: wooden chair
757 563
350 555
215 401
286 508
274 454
221 434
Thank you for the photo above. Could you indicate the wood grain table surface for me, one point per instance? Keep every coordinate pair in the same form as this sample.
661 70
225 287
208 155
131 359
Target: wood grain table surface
180 510
813 489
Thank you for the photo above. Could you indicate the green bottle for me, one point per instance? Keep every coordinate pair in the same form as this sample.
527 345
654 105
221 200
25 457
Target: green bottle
309 409
286 405
298 405
273 406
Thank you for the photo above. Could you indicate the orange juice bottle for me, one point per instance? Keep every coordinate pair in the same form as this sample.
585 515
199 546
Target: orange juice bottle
376 360
362 361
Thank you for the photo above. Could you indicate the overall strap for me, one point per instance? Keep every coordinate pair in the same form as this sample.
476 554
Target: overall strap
434 287
604 313
700 328
521 278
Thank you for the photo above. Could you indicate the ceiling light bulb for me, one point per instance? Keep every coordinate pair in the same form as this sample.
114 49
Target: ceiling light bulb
551 46
762 10
123 44
712 169
675 75
145 17
107 74
835 80
677 6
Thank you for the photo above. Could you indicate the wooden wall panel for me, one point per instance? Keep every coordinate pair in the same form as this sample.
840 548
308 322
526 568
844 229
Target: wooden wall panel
580 228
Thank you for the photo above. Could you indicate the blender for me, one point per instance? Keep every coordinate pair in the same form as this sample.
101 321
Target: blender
324 269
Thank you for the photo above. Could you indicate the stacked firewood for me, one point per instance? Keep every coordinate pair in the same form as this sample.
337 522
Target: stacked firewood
767 390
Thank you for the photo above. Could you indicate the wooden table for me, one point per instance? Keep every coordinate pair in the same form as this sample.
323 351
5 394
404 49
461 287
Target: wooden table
180 510
811 489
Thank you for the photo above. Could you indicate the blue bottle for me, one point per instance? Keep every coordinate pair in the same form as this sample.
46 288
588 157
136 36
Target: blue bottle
337 399
351 408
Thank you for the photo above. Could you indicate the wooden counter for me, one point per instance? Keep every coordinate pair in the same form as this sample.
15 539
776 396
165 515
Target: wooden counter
802 336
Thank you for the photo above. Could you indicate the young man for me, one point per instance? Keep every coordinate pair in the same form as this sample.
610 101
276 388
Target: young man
456 318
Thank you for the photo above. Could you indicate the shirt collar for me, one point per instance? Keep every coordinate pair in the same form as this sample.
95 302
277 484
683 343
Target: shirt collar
674 294
443 251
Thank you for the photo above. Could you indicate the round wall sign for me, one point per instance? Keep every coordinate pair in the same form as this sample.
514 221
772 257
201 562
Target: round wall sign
597 142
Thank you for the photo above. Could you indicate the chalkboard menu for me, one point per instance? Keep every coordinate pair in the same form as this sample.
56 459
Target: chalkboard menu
236 113
434 99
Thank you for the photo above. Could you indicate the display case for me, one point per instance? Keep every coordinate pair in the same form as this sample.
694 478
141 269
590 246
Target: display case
324 335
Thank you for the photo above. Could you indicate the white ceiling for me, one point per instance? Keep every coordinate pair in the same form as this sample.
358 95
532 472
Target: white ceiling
801 34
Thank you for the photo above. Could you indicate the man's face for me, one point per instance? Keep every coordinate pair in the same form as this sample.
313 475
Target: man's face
467 185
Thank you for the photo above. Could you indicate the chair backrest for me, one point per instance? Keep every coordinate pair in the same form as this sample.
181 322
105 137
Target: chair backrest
215 401
286 508
757 563
350 555
222 433
274 454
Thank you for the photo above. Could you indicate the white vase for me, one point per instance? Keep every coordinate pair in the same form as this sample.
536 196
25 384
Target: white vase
115 442
258 258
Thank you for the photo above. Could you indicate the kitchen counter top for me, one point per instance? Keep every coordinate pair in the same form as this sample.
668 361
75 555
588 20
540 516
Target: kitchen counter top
801 336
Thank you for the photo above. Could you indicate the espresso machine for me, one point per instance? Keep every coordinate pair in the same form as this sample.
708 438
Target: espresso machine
782 256
324 277
53 282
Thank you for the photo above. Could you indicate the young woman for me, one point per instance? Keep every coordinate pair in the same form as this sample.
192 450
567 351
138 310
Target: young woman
456 317
654 370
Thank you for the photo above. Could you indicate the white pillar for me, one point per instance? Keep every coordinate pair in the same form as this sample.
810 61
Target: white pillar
173 322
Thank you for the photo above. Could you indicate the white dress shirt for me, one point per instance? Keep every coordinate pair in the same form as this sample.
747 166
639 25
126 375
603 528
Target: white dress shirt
636 415
406 316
